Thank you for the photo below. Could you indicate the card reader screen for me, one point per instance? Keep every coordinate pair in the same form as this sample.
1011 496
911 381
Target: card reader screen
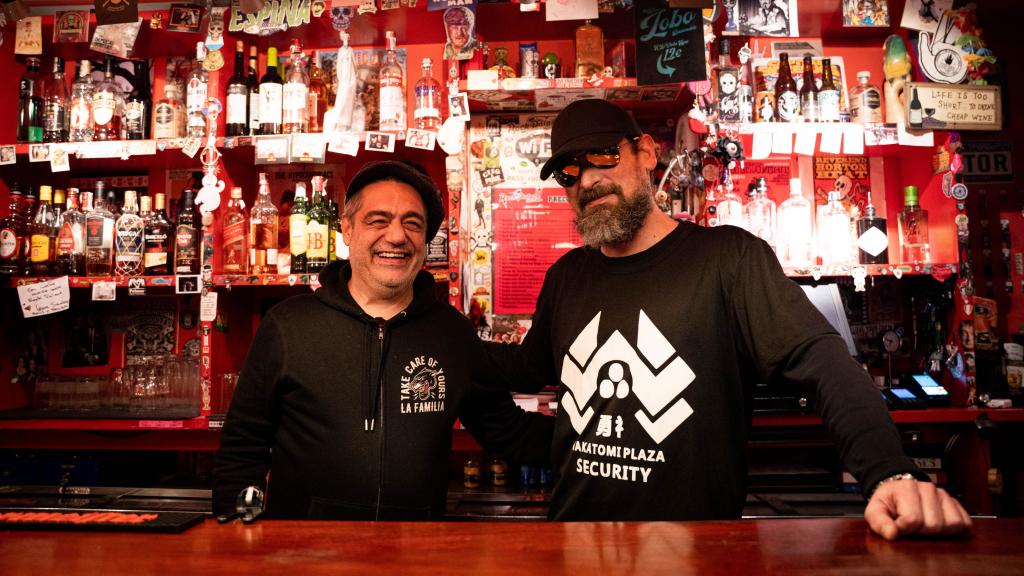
904 393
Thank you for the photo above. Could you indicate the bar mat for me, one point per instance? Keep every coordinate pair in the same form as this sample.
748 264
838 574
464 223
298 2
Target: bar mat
48 519
99 414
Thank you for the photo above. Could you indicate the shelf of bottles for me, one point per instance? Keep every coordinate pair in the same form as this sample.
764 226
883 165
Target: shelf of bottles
552 94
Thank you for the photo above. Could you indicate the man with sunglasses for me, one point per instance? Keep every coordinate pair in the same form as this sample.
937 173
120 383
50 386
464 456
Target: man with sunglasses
657 329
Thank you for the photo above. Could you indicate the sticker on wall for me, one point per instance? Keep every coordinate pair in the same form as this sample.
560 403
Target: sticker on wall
28 36
276 15
71 26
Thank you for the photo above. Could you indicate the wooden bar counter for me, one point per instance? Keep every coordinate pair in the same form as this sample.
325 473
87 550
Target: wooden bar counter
749 547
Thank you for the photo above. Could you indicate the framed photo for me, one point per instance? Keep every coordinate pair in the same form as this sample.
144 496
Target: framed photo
39 152
188 284
184 18
458 106
865 13
8 155
422 139
380 142
272 149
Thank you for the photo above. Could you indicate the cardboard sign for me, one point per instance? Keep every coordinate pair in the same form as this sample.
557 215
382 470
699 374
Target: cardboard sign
669 45
954 107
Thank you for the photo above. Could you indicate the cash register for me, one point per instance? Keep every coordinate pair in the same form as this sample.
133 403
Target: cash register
917 391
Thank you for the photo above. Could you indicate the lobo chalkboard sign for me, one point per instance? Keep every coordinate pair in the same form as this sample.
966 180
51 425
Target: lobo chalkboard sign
669 44
953 107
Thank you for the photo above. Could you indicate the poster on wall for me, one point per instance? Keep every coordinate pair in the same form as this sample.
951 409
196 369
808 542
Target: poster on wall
669 44
849 175
761 18
865 13
924 15
776 170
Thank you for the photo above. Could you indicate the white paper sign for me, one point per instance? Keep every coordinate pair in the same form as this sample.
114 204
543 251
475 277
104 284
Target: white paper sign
831 141
208 307
782 139
905 138
806 138
104 291
570 10
853 139
422 139
45 297
344 143
762 147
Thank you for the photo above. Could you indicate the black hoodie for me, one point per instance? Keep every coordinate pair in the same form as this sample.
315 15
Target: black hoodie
353 415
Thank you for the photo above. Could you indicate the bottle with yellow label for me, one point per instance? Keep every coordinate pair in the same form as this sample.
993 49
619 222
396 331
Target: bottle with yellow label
297 220
41 253
317 229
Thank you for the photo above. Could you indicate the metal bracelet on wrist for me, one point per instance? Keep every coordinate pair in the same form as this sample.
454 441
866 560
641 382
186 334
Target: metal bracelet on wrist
903 476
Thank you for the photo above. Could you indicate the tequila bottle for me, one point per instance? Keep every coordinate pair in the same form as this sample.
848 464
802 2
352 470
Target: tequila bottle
759 213
236 235
263 232
187 235
914 229
295 91
589 50
794 236
130 237
99 236
70 257
834 232
297 219
428 99
392 91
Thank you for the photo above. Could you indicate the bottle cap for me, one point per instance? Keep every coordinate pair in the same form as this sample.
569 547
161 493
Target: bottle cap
910 196
869 210
236 192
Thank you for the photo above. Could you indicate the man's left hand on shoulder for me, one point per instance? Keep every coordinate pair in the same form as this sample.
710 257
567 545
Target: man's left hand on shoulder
907 507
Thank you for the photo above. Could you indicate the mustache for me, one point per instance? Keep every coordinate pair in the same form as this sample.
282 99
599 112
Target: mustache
588 195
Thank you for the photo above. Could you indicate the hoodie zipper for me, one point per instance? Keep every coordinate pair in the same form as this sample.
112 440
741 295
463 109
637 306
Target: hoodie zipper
380 386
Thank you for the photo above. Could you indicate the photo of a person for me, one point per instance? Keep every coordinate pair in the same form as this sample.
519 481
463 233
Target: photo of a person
7 155
457 105
460 29
765 18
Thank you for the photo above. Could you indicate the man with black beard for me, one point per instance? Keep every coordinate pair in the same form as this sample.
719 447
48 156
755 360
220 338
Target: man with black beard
657 331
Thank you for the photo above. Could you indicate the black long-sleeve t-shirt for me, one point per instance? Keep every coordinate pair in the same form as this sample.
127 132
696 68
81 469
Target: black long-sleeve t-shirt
656 354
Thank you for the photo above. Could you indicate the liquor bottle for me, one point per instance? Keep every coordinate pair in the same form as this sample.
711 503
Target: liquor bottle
107 105
110 197
145 212
787 100
129 239
865 100
59 206
30 103
195 94
759 213
334 230
12 233
589 50
253 82
284 208
169 115
70 259
39 230
794 238
317 229
263 230
157 240
316 101
297 219
392 90
295 91
872 237
187 235
828 96
427 113
80 109
236 235
729 206
915 118
236 119
28 212
834 232
809 106
914 229
138 107
55 105
99 236
271 88
727 79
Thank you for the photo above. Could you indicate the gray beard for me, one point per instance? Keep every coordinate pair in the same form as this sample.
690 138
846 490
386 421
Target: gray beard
605 224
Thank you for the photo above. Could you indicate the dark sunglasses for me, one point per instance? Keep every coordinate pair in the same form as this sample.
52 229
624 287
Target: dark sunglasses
604 158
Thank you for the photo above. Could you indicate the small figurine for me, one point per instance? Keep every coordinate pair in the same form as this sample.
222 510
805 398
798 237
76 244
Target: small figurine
896 65
552 67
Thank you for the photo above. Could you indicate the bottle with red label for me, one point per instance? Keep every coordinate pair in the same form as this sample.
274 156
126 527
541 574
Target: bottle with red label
99 234
158 237
236 235
187 235
12 231
70 259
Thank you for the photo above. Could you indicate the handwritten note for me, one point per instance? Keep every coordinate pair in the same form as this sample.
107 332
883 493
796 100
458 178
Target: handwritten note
45 297
669 45
954 107
208 307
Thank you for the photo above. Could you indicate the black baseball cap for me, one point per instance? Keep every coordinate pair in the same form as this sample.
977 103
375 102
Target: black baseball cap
587 125
400 171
